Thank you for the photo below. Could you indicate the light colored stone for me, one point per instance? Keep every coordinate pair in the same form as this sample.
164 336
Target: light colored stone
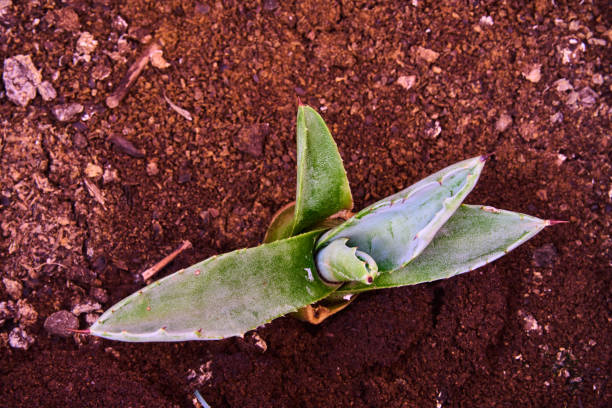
21 78
486 21
406 81
85 308
152 169
26 314
426 54
46 91
562 85
86 44
93 171
503 122
13 288
67 112
20 339
533 73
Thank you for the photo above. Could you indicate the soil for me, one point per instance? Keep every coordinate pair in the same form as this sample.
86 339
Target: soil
89 202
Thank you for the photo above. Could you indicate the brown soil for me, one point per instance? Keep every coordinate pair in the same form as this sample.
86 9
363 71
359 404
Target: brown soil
530 330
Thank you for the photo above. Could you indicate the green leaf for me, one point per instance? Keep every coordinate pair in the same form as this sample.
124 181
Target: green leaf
472 237
322 185
220 297
398 228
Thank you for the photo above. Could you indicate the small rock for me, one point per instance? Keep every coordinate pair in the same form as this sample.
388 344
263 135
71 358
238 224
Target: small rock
152 169
427 55
503 122
67 112
110 176
80 142
486 21
7 311
406 81
67 19
158 61
528 131
13 288
561 158
85 308
542 194
572 99
99 294
26 315
433 129
533 73
90 318
20 339
597 41
21 78
588 97
47 91
86 44
93 171
100 72
60 323
530 323
563 85
251 139
574 25
597 79
119 23
545 256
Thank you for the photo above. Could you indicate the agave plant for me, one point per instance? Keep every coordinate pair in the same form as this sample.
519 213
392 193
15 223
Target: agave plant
317 256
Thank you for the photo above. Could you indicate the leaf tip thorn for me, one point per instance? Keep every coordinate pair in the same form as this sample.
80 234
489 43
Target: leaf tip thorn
299 101
554 222
485 157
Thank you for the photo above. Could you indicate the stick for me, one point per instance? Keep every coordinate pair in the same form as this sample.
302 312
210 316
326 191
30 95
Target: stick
132 74
161 264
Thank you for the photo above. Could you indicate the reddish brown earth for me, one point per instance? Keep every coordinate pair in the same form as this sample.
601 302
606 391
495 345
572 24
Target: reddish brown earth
530 330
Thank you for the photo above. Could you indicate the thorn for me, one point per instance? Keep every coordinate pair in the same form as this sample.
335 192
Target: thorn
300 101
86 331
554 222
486 157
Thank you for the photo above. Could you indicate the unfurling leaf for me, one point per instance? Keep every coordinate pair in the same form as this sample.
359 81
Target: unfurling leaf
397 229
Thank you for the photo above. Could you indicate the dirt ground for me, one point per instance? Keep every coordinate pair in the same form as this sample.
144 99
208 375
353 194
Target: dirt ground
91 196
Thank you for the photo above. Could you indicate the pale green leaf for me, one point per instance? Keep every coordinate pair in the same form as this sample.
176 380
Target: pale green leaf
220 297
472 237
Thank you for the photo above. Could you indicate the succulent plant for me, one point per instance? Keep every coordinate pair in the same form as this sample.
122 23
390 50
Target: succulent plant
317 256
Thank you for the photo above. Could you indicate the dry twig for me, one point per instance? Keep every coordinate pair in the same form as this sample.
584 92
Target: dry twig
130 77
161 264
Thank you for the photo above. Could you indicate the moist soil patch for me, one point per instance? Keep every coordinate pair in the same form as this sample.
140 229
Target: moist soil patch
91 196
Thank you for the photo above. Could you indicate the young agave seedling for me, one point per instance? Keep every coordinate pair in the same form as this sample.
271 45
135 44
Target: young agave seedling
317 256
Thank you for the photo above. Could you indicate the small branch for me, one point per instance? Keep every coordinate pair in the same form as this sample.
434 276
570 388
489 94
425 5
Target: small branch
148 274
132 74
